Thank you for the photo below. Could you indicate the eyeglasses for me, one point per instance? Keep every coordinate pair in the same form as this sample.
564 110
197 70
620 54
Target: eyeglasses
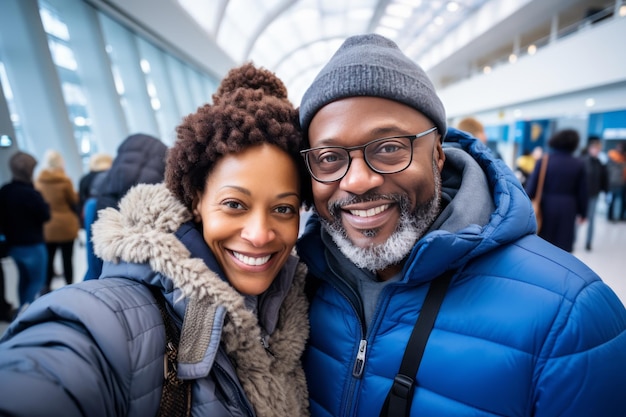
384 156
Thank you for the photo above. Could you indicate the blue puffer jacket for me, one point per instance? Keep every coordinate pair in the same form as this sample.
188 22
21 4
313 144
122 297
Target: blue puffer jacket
525 328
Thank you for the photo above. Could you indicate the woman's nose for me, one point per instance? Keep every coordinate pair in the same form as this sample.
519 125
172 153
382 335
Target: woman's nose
258 230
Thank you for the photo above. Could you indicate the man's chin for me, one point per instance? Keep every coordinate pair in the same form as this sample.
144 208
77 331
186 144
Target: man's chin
373 254
366 238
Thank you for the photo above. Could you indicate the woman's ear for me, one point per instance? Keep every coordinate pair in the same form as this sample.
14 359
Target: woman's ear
195 209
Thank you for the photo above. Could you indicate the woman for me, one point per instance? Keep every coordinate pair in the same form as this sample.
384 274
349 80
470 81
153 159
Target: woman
62 229
564 198
214 245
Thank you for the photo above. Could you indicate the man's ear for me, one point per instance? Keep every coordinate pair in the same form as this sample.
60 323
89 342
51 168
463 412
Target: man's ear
439 155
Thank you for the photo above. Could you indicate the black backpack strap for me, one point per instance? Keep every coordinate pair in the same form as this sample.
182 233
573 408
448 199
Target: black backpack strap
398 401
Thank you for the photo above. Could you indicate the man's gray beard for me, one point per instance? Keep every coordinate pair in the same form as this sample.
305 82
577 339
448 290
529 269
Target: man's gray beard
411 228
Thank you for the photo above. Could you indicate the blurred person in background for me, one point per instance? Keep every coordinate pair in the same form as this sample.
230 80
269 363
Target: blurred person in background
140 159
88 189
565 195
616 167
525 164
62 229
23 212
475 128
98 165
597 182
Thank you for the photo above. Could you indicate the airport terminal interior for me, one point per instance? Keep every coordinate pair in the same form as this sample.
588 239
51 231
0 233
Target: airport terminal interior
79 76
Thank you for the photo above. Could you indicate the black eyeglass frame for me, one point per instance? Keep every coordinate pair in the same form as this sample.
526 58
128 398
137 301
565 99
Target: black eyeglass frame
348 150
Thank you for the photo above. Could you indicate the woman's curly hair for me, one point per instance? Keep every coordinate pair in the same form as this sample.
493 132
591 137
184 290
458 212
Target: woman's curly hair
250 108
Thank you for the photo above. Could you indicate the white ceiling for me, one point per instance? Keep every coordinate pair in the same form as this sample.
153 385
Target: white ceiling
295 38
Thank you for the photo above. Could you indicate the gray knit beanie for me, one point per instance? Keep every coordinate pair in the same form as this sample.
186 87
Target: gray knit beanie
372 65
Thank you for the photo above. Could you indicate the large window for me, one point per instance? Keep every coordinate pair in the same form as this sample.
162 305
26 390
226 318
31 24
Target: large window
63 56
15 117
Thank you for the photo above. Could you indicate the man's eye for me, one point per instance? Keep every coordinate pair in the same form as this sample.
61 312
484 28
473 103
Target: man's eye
389 147
330 157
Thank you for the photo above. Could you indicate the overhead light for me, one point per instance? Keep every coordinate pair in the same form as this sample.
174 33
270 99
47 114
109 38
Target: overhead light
512 58
85 145
399 10
532 49
307 14
360 14
412 3
590 102
155 103
622 10
452 6
439 20
80 121
487 69
5 141
145 66
392 22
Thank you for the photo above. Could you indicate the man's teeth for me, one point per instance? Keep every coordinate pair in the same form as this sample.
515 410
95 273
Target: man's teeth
371 212
249 260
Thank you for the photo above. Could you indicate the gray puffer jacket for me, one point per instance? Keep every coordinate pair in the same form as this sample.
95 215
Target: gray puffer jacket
96 348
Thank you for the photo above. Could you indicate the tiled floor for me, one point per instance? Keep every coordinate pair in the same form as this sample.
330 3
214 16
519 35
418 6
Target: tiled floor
608 259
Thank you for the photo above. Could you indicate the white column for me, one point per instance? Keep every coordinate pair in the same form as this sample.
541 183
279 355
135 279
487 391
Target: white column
35 84
108 122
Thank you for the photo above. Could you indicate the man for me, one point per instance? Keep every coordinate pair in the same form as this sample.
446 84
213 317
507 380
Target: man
23 212
597 182
525 329
616 167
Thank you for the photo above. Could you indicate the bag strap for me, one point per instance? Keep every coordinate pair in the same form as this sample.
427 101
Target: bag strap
542 177
398 401
176 394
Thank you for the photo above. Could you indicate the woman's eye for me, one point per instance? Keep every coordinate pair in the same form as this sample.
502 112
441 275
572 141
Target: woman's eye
235 205
285 210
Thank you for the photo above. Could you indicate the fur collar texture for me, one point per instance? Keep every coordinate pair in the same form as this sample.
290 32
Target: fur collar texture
142 231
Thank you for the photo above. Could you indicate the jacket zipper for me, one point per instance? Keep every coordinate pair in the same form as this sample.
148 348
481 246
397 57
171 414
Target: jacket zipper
359 360
359 363
266 346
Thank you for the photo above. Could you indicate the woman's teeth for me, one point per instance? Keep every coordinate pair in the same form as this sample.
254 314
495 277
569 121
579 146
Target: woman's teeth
252 261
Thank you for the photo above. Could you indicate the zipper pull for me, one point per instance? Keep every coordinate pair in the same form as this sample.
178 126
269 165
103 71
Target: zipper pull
266 346
359 364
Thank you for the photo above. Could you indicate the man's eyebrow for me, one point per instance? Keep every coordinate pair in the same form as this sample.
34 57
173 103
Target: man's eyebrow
376 133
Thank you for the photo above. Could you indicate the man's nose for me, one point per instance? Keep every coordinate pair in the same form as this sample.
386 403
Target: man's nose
360 178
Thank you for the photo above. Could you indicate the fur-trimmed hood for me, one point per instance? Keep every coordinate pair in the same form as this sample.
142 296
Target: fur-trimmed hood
143 232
